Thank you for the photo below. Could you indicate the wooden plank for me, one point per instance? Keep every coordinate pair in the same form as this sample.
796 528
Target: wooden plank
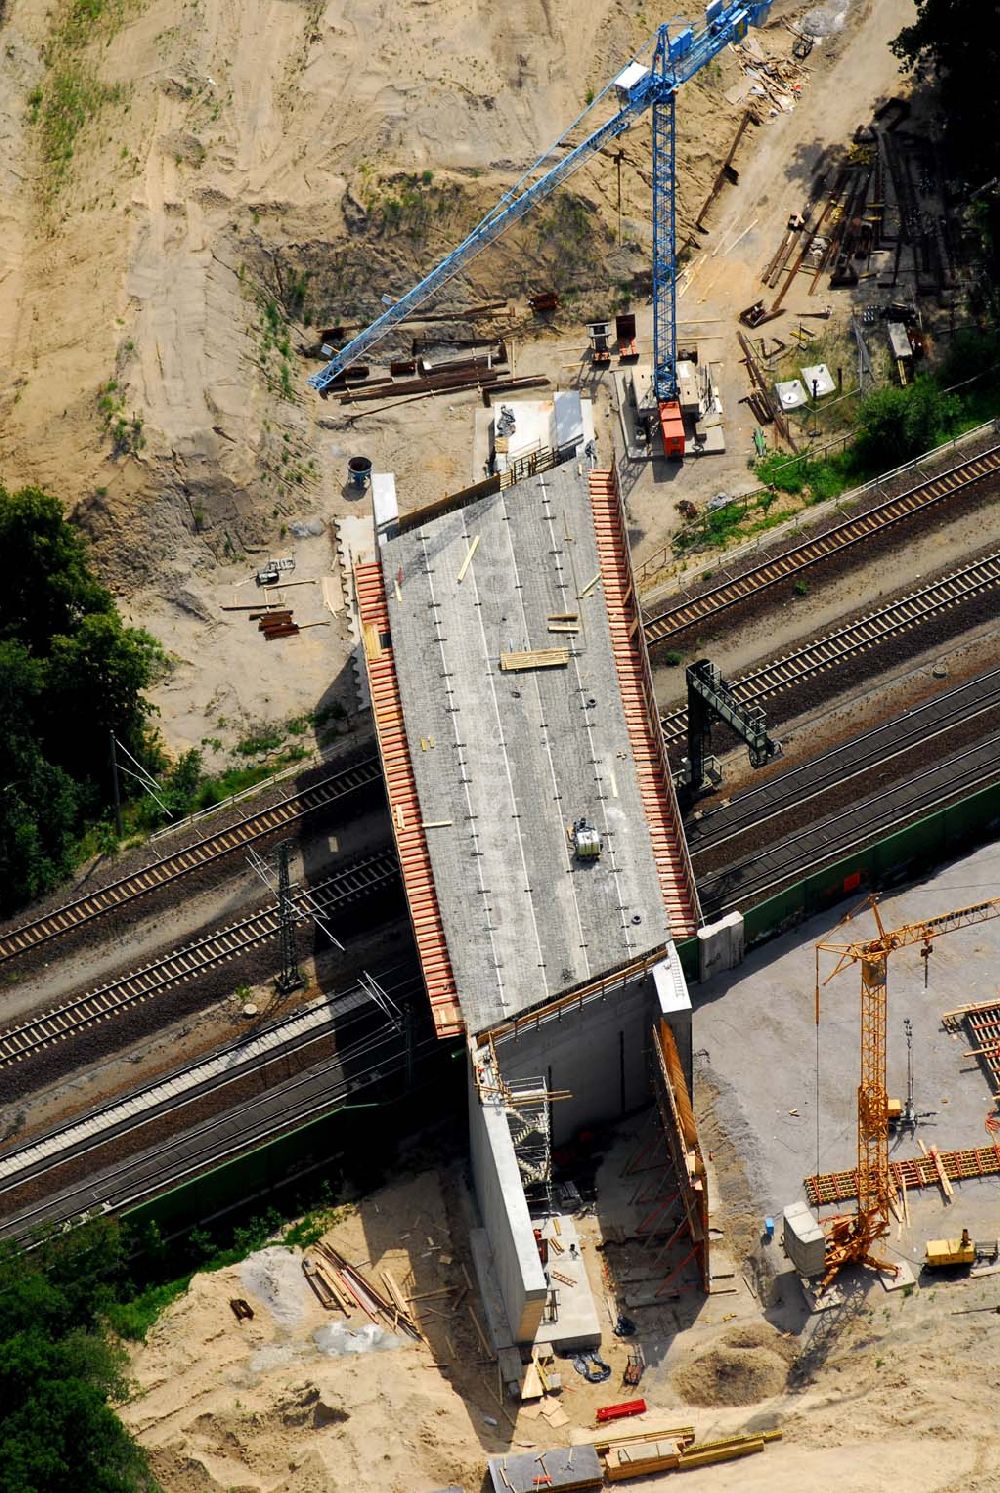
468 560
373 640
946 1186
535 658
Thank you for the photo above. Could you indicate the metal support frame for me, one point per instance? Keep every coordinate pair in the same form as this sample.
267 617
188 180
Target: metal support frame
850 1239
873 1105
664 236
711 698
290 977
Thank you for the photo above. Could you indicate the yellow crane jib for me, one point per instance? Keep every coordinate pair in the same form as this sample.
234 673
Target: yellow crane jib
850 1239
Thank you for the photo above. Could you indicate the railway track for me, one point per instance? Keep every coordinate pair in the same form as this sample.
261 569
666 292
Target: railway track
337 785
834 837
854 639
926 726
211 1138
361 879
877 520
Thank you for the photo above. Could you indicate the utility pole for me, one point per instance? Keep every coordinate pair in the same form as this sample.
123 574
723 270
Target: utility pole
116 785
618 166
909 1120
290 977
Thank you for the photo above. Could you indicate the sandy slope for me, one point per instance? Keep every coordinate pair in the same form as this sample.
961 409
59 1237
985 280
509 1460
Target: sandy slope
249 142
885 1390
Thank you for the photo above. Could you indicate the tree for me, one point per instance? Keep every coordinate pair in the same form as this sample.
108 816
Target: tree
60 1372
39 803
958 42
70 673
895 424
47 587
95 679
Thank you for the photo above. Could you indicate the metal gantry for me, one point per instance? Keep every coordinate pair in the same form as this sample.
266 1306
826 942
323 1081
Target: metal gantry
711 698
652 84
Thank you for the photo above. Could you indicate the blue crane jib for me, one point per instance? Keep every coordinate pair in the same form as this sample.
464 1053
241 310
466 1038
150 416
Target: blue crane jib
649 82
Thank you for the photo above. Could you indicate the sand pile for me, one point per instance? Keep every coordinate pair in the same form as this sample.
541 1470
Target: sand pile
750 1363
284 1403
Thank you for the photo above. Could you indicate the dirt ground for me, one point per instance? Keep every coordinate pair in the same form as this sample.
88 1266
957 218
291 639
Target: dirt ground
885 1386
202 188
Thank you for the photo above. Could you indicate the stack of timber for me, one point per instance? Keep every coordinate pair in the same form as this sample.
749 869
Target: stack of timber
674 1450
340 1286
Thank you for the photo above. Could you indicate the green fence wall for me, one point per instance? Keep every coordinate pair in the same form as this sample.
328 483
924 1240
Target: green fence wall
350 1144
900 857
909 852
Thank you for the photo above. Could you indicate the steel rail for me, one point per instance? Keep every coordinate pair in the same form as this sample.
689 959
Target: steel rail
99 1126
23 1224
65 919
855 638
877 520
800 785
857 826
358 880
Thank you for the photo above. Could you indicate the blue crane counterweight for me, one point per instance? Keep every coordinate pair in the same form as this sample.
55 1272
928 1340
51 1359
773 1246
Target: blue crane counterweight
674 60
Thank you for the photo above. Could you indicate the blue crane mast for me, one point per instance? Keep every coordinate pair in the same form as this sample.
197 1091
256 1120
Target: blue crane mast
647 84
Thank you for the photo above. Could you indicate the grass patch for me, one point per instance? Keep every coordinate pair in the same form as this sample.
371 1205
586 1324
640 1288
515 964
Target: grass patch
126 432
83 20
72 98
262 739
133 1318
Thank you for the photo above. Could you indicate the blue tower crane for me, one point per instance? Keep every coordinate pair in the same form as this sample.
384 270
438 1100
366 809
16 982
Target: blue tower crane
650 81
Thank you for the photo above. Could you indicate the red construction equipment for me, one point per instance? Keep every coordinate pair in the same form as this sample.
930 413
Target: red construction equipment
672 430
620 1412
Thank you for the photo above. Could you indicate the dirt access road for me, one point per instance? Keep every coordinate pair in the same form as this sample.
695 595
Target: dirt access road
849 73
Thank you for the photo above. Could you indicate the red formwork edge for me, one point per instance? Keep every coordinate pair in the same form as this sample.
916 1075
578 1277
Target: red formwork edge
673 863
404 805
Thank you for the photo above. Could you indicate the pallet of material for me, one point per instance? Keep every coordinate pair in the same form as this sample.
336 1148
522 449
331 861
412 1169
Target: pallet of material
605 1442
563 1469
640 1458
727 1449
535 658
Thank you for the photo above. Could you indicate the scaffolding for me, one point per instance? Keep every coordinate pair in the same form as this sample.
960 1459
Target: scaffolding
526 1102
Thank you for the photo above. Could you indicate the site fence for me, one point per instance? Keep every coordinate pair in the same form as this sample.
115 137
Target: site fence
655 571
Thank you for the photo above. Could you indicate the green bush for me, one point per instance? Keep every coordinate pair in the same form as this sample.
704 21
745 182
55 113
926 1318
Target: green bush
70 673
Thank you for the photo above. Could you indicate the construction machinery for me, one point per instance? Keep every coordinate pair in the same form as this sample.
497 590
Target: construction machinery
852 1239
942 1254
588 843
649 83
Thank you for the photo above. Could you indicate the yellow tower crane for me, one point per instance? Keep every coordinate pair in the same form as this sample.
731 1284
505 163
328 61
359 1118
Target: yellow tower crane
850 1239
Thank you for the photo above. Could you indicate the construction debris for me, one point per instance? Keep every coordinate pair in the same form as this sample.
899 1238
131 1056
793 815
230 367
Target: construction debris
340 1286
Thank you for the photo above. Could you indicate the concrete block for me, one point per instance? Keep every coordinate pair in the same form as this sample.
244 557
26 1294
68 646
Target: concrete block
803 1240
504 1212
385 508
598 1054
720 946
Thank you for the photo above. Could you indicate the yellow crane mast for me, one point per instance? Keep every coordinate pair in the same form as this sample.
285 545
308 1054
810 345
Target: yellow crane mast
850 1239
